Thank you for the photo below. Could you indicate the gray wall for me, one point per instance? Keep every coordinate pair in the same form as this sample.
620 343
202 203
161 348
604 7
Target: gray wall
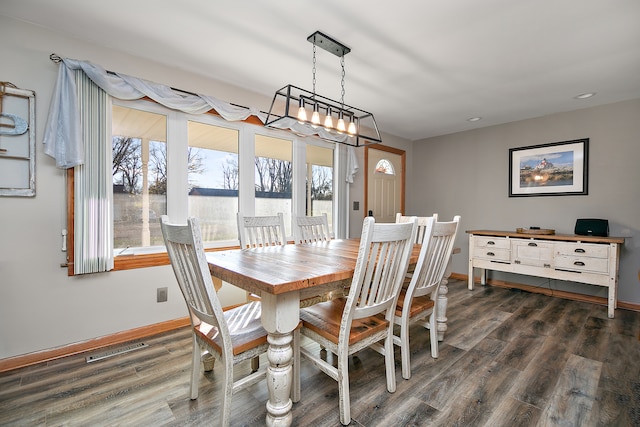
467 174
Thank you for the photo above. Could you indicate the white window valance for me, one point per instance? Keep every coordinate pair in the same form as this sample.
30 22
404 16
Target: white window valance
63 134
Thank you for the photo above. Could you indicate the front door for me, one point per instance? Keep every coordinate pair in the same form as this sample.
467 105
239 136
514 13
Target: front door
384 182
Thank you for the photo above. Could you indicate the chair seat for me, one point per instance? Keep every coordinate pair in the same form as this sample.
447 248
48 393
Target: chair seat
245 328
324 319
418 304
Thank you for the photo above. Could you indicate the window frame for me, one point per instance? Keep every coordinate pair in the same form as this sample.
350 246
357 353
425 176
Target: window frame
248 129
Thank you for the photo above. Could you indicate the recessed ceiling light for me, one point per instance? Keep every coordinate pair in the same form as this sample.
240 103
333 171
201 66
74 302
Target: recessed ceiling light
585 95
474 119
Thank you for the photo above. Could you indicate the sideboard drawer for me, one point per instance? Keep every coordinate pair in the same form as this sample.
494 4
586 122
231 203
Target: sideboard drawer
492 243
582 250
586 264
493 254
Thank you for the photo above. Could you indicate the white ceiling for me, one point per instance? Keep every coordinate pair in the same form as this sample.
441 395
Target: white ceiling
422 67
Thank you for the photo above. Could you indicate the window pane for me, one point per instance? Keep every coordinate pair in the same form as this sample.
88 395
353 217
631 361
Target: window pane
319 196
139 177
384 166
213 180
273 178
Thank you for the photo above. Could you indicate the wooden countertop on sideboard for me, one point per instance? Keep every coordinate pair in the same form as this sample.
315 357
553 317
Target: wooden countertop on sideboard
566 237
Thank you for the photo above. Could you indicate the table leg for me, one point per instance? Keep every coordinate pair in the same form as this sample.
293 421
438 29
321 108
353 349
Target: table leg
279 380
280 317
443 300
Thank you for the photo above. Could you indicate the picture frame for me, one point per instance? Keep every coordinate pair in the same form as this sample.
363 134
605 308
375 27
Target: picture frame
553 169
17 141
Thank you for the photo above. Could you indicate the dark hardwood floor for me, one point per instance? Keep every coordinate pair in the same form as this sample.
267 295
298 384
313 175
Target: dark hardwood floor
509 358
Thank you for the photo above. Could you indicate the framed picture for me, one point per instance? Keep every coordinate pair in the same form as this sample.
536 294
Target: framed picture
555 169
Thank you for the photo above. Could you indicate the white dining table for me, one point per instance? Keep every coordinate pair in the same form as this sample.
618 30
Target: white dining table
283 276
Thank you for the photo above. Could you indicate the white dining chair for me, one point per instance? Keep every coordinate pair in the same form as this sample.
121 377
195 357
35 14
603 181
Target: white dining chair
313 229
230 336
417 301
310 229
421 231
256 231
422 224
364 318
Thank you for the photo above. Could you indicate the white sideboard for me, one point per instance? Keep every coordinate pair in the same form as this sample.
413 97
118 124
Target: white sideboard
584 259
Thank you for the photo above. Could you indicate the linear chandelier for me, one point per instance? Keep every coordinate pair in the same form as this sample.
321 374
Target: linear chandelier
308 113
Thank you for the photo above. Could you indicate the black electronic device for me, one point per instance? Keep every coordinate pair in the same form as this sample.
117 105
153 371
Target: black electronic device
592 227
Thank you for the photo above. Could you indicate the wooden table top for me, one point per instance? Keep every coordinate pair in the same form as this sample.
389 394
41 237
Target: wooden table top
280 269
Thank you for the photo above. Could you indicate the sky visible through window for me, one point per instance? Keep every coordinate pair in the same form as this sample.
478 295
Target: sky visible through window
213 161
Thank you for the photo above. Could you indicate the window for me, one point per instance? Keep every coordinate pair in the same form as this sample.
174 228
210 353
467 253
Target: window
273 178
213 177
139 158
168 162
385 167
319 180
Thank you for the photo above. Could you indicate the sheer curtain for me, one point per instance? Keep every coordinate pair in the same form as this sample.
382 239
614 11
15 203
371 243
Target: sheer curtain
93 225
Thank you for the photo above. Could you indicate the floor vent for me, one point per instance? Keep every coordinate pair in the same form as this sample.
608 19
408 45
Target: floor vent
115 351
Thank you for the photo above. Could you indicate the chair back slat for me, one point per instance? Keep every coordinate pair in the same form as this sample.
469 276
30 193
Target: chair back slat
257 231
381 265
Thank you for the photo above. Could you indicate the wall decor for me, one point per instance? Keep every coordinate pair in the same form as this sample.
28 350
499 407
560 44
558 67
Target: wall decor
17 141
554 169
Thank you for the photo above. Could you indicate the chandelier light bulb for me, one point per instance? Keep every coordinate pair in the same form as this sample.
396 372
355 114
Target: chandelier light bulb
341 127
302 113
351 130
315 117
328 121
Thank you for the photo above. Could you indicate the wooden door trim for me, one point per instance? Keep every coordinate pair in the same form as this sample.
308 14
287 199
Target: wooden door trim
403 161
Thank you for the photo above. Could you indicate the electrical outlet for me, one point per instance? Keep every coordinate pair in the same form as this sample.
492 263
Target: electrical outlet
161 295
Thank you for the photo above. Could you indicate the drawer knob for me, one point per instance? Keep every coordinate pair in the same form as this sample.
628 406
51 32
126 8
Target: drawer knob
491 242
580 250
580 263
491 254
532 244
